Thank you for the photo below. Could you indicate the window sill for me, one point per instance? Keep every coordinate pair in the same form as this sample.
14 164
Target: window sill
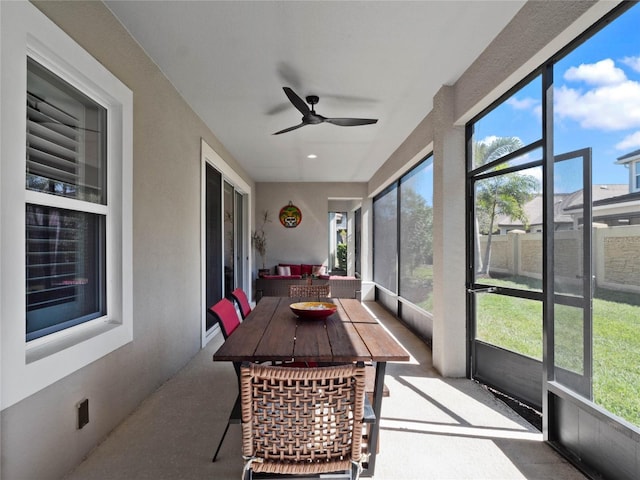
68 339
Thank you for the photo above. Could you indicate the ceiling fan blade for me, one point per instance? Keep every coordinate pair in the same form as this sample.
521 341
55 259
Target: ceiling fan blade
290 128
300 104
350 122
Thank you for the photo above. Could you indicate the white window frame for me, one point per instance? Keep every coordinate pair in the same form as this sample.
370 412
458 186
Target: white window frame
30 367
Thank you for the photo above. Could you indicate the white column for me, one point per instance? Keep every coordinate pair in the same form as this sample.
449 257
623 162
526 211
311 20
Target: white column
449 306
366 248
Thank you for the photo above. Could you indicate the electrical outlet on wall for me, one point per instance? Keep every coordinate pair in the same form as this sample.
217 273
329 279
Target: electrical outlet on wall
83 412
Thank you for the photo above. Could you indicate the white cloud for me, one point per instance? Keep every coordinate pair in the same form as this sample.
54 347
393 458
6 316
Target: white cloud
633 62
603 72
537 112
608 107
527 103
629 142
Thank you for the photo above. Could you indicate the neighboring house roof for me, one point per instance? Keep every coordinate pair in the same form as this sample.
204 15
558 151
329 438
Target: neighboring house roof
560 204
602 195
533 210
629 197
566 203
628 157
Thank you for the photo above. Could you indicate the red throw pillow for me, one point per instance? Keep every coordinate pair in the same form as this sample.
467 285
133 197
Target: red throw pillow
295 270
306 269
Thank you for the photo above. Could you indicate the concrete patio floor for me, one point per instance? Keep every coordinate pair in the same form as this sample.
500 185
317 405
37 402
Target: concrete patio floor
431 428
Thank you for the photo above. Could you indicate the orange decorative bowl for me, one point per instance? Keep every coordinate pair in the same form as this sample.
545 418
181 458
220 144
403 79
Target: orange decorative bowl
313 309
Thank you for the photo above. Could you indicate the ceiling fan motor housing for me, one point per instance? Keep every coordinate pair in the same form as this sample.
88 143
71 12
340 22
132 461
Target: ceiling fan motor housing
312 99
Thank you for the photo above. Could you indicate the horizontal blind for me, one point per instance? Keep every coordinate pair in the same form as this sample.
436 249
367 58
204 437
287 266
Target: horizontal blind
52 148
52 157
51 257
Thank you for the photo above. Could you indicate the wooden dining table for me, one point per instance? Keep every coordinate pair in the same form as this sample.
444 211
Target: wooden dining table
272 332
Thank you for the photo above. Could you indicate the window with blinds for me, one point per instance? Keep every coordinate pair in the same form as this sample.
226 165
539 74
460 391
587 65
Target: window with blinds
66 139
65 239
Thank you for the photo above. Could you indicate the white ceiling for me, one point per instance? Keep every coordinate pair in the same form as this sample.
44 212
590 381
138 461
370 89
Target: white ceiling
369 59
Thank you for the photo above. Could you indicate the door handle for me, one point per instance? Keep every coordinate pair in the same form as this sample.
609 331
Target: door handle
482 290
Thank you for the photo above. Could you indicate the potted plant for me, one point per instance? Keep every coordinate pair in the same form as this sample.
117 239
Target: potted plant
259 240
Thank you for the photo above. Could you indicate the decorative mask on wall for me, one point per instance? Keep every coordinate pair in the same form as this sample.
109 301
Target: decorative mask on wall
290 216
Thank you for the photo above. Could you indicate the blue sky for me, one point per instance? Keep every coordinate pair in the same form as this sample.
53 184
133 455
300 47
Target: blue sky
596 101
421 180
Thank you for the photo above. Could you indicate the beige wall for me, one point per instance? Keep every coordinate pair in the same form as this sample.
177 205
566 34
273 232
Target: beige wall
39 436
309 241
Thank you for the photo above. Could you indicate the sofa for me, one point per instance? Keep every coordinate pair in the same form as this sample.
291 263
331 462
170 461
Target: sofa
285 274
297 270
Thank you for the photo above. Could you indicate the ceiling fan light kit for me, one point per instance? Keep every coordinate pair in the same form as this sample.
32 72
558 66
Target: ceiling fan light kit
310 117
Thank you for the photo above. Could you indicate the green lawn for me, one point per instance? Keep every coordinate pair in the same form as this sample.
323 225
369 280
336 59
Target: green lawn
516 324
417 287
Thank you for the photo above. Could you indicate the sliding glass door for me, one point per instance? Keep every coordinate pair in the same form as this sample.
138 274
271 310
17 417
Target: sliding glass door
229 238
213 240
225 238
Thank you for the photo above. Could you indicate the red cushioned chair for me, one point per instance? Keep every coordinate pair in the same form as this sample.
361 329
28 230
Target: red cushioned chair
225 313
243 302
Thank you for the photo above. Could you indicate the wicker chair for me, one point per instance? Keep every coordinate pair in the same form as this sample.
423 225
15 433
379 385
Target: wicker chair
310 291
302 420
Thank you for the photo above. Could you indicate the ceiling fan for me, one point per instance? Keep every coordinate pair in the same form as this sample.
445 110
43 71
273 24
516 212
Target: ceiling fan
310 117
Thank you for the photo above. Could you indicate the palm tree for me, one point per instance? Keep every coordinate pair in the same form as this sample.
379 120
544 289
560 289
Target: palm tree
501 194
497 147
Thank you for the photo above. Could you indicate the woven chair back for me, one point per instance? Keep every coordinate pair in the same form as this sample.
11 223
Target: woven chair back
302 420
310 291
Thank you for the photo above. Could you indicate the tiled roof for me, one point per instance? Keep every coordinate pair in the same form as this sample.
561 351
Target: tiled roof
565 202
